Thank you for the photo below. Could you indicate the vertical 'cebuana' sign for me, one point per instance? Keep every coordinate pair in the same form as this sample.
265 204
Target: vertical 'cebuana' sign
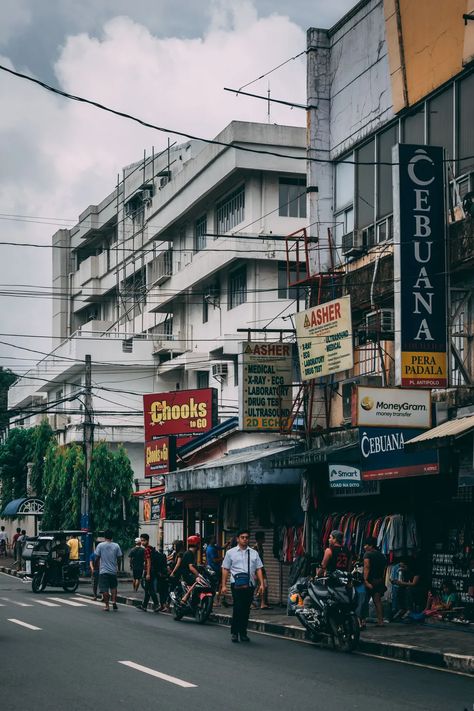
420 267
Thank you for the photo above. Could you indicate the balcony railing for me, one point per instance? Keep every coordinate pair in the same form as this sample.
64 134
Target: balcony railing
161 267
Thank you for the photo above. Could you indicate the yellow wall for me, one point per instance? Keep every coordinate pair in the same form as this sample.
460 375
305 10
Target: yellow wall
434 44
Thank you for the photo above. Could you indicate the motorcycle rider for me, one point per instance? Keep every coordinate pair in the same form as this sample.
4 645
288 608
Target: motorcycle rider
60 554
336 555
188 569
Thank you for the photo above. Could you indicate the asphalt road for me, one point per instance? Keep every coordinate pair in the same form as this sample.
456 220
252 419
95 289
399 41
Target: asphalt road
75 660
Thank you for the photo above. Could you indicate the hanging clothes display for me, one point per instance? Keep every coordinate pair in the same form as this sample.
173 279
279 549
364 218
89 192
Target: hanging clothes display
396 533
288 543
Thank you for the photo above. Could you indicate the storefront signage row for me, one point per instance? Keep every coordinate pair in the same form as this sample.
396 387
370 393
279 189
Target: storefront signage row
266 377
324 337
160 456
420 267
383 456
392 407
181 413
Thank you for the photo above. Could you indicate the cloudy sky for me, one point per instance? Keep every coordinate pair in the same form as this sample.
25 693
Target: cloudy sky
165 61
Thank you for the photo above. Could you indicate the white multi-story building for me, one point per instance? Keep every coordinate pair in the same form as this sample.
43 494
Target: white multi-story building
156 280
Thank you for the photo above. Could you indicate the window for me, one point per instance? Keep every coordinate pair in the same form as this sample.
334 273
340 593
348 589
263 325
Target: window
165 328
292 197
200 234
386 140
205 309
365 175
231 211
344 225
414 126
202 378
465 124
58 396
237 293
284 291
344 183
440 121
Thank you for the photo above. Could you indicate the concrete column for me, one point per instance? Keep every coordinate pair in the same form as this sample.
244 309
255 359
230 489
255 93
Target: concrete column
320 175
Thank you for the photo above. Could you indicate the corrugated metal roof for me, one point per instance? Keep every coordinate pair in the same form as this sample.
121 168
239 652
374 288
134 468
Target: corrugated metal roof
453 428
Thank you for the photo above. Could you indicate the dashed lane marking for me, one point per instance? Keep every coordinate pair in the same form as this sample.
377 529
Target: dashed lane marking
23 624
160 675
67 602
47 604
15 602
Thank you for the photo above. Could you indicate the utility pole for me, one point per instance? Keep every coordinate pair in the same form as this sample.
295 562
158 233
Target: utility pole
88 442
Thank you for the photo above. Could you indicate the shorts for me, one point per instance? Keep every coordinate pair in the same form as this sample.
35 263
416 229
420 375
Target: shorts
137 573
107 582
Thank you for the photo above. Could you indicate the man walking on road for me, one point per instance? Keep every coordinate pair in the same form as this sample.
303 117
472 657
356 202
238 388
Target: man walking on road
109 554
244 565
149 575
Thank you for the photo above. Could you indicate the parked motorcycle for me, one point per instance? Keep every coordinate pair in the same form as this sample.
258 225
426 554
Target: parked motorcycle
201 600
326 608
49 572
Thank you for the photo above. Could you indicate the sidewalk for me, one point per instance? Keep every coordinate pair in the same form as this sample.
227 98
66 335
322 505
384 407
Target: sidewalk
444 646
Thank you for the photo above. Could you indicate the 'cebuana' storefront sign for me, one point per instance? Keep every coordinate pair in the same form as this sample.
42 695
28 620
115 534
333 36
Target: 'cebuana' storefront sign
383 456
343 476
160 456
266 377
181 413
391 407
324 336
420 267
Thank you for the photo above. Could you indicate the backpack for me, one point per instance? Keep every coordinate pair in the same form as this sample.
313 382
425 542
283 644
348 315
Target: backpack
158 563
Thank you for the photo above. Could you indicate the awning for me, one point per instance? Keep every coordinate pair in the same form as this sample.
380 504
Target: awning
242 467
26 506
154 490
442 435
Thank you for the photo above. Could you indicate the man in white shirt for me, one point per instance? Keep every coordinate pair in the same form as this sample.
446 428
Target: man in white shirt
244 566
3 542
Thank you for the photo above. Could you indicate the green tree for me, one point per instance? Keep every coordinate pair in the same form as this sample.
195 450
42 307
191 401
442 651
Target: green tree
63 477
52 479
7 378
43 436
15 453
110 493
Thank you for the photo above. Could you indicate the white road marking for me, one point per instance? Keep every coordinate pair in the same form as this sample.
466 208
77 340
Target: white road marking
47 604
91 602
14 602
23 624
160 675
67 602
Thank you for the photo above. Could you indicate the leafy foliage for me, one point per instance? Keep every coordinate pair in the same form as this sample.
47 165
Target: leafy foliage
43 436
15 453
64 473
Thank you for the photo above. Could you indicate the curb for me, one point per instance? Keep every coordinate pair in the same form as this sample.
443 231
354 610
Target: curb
385 650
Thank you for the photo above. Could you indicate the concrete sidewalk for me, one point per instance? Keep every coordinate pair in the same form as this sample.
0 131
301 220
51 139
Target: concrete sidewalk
446 646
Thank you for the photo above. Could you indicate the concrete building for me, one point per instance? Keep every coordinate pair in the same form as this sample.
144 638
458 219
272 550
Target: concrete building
154 281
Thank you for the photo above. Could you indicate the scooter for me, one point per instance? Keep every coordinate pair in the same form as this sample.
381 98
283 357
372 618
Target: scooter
201 599
57 576
326 608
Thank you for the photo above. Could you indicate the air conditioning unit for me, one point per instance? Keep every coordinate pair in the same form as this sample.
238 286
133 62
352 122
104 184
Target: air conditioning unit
220 370
352 243
380 324
147 194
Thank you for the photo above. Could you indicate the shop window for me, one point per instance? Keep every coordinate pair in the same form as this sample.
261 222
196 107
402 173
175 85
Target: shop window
202 378
237 292
386 141
344 186
200 233
231 211
414 126
365 180
466 125
440 121
284 291
292 197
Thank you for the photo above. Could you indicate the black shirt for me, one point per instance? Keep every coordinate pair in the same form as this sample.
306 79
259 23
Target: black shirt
339 560
189 558
137 557
378 564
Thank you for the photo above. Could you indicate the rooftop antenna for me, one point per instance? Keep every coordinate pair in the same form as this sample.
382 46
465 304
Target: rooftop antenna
269 103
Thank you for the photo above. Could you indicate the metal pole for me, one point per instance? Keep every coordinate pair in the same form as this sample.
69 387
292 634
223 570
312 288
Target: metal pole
88 442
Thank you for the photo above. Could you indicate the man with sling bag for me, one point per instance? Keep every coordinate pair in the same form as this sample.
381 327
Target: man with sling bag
244 565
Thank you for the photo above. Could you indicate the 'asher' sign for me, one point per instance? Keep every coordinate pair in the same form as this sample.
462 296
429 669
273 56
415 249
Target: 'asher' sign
420 267
180 413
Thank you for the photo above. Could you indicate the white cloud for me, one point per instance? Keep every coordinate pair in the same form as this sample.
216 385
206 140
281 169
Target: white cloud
62 156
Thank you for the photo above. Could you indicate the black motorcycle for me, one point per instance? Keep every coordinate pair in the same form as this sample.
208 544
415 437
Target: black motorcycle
201 600
51 572
327 610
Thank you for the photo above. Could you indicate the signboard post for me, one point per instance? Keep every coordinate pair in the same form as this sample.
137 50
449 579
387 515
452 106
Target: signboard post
420 267
266 379
324 336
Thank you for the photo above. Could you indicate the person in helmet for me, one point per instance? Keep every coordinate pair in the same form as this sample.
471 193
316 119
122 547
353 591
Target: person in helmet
188 569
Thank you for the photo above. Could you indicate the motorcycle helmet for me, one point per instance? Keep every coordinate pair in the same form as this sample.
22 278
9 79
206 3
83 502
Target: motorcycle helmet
193 540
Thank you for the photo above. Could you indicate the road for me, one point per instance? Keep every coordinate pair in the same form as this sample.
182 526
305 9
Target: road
75 660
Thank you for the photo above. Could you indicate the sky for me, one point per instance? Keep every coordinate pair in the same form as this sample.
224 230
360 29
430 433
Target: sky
165 61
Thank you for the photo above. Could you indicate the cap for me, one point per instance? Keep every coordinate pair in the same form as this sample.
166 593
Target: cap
138 540
337 535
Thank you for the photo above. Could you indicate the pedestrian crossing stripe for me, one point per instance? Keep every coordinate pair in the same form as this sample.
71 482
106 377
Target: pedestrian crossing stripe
67 602
47 604
86 599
